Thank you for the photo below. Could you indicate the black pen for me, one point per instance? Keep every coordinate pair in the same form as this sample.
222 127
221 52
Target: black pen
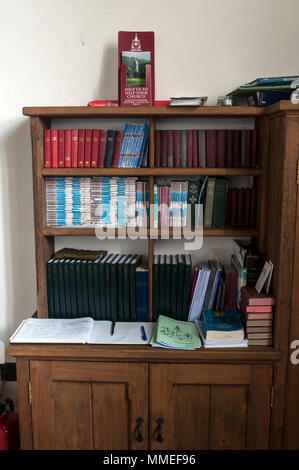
112 328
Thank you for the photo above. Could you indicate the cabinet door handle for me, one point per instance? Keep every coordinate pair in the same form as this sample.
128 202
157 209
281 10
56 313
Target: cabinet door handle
139 422
160 438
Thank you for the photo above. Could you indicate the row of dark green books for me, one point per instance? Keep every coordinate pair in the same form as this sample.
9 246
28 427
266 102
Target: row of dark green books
111 287
172 285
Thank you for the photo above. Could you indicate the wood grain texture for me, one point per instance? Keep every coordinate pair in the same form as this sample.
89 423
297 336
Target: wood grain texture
24 406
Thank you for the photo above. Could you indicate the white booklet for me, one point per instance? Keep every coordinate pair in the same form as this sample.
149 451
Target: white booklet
82 330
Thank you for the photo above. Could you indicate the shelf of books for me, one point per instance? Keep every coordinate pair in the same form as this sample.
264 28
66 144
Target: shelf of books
155 173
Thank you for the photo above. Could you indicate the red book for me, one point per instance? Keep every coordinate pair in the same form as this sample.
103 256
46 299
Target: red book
189 144
258 316
102 149
250 296
54 147
177 148
117 147
169 148
195 148
251 148
75 133
87 148
103 103
164 141
221 148
68 148
95 146
231 287
47 148
81 145
61 148
237 148
255 308
229 148
157 148
211 146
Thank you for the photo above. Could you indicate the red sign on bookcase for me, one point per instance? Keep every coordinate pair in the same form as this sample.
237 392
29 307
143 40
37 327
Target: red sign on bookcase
136 68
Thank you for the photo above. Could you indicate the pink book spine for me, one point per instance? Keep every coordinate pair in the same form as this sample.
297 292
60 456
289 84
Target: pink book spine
195 148
196 271
189 140
47 148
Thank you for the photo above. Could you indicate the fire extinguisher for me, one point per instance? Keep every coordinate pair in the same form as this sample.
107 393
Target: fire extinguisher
9 426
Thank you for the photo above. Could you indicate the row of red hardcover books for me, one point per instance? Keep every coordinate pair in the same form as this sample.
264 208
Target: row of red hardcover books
79 148
211 148
241 207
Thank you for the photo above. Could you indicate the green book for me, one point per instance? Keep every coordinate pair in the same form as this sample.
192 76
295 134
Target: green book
79 288
219 209
73 288
193 194
127 306
171 333
114 288
181 277
162 284
167 298
103 293
108 286
156 287
209 202
61 288
50 294
120 271
187 286
67 288
84 281
96 289
174 286
90 283
136 261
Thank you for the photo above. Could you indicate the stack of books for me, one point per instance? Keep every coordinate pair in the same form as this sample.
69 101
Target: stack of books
172 285
96 148
101 285
206 148
221 328
258 315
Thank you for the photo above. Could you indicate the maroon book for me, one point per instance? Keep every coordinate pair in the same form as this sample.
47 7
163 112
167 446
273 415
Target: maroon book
253 162
102 149
164 152
117 147
75 134
189 147
253 208
177 148
170 156
231 286
250 296
61 148
234 209
221 148
211 146
195 148
95 145
157 148
68 148
81 145
247 206
228 208
237 148
47 148
229 148
136 66
241 208
87 148
54 147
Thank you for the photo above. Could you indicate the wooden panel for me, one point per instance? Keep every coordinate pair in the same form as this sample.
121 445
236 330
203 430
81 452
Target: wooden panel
42 406
24 407
111 409
228 417
72 412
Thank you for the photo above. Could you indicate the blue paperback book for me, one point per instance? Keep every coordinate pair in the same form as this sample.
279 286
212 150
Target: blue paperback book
224 320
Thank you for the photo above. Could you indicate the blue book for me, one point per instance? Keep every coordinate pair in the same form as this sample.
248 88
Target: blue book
142 304
225 320
111 136
265 98
273 80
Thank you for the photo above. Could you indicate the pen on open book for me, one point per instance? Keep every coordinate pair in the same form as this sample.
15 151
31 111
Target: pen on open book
143 334
112 328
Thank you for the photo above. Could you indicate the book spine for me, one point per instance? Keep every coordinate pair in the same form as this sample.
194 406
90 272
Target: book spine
211 148
157 148
109 148
75 148
195 148
221 148
164 148
118 143
170 148
177 148
87 148
47 148
229 148
54 148
102 149
202 149
209 202
142 291
183 148
61 145
81 144
68 148
95 148
237 148
189 148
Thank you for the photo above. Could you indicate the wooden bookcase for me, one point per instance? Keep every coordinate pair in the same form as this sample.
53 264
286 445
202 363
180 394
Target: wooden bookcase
242 379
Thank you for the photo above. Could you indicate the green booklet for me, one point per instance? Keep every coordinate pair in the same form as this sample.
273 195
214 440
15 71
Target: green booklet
176 334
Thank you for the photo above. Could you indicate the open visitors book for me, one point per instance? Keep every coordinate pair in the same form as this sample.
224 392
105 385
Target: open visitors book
81 330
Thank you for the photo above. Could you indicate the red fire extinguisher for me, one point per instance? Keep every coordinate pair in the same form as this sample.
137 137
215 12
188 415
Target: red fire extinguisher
9 426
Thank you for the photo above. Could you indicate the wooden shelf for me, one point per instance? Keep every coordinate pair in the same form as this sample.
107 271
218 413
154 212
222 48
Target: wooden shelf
151 172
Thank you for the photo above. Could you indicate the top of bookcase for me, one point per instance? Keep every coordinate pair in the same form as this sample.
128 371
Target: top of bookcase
157 111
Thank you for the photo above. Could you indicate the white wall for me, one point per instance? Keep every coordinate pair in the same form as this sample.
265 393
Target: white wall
64 52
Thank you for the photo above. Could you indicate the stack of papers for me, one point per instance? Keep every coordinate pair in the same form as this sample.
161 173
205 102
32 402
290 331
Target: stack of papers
176 334
188 101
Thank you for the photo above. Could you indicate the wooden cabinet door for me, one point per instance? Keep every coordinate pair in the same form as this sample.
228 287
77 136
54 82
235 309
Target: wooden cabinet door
209 406
89 405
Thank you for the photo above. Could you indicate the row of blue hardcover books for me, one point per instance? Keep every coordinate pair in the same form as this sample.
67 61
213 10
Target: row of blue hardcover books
134 145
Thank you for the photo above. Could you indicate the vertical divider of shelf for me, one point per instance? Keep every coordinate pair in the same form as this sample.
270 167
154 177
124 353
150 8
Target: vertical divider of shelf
44 246
263 133
151 201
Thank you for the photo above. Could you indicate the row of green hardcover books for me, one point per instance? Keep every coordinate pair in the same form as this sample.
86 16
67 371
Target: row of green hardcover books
104 289
172 285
